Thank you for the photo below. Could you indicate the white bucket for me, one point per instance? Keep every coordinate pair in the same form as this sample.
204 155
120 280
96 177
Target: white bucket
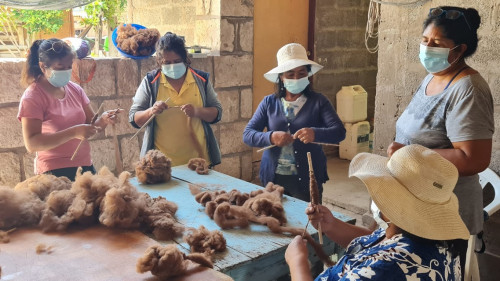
357 139
352 104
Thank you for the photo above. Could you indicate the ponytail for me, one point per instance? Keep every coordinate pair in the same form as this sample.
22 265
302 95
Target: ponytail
31 70
45 51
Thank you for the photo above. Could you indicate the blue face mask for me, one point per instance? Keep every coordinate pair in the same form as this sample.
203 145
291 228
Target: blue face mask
434 59
59 78
174 71
296 86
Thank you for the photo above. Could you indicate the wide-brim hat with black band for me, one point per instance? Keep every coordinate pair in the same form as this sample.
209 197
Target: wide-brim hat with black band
289 57
414 190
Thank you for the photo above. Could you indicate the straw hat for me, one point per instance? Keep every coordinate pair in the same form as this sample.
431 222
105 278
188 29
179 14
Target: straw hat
414 190
289 57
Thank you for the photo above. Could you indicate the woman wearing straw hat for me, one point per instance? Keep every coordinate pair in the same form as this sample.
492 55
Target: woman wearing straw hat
295 116
418 215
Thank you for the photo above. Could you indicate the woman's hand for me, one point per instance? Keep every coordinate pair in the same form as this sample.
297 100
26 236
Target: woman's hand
281 138
108 117
158 107
305 135
320 214
190 110
393 147
85 131
296 252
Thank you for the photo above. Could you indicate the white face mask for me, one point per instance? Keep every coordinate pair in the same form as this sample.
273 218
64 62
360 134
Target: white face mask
296 86
59 78
174 70
435 59
378 217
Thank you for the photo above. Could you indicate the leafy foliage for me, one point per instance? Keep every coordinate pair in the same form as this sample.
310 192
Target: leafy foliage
34 21
106 10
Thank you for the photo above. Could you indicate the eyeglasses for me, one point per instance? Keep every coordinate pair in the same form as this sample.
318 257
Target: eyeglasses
57 46
448 14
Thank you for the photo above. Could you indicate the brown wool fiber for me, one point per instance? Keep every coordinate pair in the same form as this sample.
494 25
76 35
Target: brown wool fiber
92 199
19 208
153 168
262 206
43 185
168 261
199 165
202 240
137 42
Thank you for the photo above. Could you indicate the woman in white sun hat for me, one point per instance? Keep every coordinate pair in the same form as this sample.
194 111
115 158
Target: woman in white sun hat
418 216
295 116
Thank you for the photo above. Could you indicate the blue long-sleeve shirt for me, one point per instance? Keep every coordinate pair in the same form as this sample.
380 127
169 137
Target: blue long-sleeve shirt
317 114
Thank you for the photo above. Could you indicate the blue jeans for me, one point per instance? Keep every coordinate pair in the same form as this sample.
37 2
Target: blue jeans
294 189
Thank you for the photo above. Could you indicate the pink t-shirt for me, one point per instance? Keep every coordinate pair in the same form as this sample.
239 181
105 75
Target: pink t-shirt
56 115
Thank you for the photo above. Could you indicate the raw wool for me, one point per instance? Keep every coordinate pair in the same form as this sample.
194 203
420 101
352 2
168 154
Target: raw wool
42 248
199 165
19 208
202 240
4 235
159 219
123 204
154 167
42 185
103 198
263 207
137 42
168 261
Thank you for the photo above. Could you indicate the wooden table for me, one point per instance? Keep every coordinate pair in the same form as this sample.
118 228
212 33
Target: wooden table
94 253
254 253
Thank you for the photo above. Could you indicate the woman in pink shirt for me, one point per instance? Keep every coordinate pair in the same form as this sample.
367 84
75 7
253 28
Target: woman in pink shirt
55 113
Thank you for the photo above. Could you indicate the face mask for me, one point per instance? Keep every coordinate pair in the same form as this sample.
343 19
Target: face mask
378 217
435 59
296 86
174 71
59 78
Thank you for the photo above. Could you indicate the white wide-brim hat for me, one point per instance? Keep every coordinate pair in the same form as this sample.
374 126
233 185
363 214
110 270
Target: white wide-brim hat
414 190
289 57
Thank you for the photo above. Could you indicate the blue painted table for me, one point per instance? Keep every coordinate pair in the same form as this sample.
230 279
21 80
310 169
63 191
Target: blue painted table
254 253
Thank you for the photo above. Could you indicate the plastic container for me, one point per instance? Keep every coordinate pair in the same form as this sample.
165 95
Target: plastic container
352 104
357 139
113 38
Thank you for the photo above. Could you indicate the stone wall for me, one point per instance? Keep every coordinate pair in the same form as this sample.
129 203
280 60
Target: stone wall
339 31
197 20
400 73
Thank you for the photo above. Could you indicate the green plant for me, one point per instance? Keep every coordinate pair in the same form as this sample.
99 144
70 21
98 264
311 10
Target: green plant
107 11
39 20
100 12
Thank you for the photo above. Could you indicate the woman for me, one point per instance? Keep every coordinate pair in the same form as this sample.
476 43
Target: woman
184 104
452 110
295 117
55 113
419 213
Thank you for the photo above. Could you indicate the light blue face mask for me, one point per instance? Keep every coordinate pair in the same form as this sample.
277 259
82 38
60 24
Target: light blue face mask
378 217
296 86
59 78
174 70
435 59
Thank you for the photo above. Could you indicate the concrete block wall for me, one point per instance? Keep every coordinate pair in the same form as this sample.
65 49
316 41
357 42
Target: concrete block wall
233 82
339 47
176 16
400 73
114 84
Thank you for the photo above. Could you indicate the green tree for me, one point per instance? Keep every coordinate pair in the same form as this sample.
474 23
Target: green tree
12 22
34 21
103 12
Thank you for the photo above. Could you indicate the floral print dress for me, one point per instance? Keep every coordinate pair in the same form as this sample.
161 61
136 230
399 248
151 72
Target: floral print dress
397 258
